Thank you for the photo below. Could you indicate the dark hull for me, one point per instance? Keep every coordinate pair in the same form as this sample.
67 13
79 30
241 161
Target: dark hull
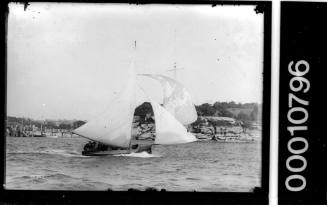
38 136
140 148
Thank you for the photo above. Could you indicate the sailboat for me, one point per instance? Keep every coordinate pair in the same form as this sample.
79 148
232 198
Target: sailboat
114 126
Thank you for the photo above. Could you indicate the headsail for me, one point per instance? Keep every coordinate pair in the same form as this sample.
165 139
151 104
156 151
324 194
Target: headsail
113 127
177 99
168 129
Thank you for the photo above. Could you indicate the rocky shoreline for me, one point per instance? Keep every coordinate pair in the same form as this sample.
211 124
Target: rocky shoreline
232 133
222 129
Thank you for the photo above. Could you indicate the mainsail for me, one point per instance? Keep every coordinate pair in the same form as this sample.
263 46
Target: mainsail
168 129
114 126
177 99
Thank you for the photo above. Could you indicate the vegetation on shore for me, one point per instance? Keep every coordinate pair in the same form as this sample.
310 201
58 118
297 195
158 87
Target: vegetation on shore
242 112
238 111
48 124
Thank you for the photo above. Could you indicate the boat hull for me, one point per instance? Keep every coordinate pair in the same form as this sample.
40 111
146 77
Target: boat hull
140 148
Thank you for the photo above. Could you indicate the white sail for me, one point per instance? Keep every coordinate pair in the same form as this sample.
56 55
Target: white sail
168 129
113 127
177 99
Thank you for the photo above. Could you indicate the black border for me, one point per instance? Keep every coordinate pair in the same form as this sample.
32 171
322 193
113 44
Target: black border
259 194
303 37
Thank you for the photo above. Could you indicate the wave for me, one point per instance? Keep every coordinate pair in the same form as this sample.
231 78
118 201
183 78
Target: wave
43 178
65 153
51 136
58 176
140 154
32 176
38 176
192 178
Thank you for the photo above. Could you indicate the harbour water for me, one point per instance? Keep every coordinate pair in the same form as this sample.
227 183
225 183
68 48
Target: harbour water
57 164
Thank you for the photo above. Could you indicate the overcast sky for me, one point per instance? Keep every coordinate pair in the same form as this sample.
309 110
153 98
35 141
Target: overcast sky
67 61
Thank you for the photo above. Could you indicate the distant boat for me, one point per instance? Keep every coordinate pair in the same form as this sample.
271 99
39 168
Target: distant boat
38 134
51 135
113 127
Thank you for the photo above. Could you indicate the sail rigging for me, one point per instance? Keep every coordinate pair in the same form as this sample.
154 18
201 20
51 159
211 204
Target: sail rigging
177 99
114 126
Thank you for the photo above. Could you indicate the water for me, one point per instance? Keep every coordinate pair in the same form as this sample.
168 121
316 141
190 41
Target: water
57 164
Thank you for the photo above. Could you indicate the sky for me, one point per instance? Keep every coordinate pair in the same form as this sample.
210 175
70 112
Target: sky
69 61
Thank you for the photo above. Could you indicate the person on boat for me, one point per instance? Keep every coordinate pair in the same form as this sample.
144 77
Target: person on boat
93 146
135 146
90 146
144 148
102 147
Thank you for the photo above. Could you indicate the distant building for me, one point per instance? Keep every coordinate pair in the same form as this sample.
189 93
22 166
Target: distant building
227 120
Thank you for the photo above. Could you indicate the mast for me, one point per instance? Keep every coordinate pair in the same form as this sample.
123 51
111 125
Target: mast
133 63
175 70
175 67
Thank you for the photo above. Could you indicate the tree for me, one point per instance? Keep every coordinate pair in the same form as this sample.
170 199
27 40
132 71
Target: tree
226 113
205 110
78 123
143 110
242 116
221 109
245 125
50 125
254 113
65 126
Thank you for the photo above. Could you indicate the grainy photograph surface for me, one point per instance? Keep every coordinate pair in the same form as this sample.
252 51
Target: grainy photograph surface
124 96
